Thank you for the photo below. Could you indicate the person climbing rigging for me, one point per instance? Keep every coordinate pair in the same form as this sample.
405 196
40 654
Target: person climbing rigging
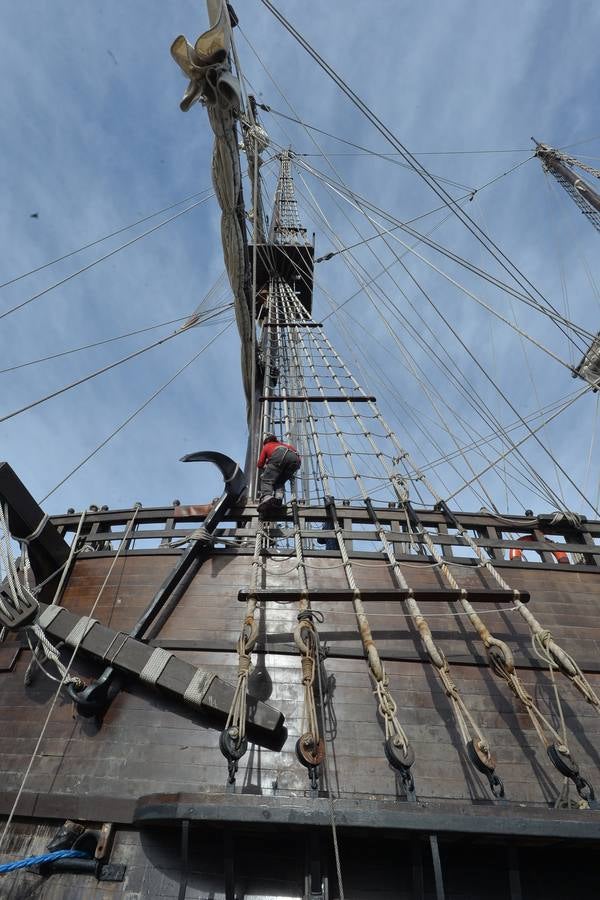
278 463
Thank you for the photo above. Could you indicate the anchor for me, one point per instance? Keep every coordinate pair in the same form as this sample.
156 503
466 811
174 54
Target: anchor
128 655
94 700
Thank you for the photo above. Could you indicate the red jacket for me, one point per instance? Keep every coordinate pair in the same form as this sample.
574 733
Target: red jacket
269 449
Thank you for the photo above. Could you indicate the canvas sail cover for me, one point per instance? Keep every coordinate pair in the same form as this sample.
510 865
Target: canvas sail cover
207 66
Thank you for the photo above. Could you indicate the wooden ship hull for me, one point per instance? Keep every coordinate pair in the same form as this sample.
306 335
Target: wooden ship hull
152 769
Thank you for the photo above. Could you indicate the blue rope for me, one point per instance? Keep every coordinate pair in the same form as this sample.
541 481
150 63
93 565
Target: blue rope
44 858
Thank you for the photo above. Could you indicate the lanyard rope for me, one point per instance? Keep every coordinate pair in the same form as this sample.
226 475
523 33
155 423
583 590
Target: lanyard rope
476 745
233 741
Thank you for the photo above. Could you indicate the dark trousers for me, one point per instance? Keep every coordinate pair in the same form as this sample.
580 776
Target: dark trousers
280 468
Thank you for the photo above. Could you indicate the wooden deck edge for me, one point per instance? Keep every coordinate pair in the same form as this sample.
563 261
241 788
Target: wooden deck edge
494 818
497 818
92 808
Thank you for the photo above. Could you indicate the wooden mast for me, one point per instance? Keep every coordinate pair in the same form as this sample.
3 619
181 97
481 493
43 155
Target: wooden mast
286 257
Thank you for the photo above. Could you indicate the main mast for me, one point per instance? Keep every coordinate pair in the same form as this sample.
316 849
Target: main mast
284 265
357 703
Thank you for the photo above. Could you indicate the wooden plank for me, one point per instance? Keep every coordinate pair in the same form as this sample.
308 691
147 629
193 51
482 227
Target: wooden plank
379 595
131 656
507 819
282 645
318 398
97 808
9 653
49 550
428 517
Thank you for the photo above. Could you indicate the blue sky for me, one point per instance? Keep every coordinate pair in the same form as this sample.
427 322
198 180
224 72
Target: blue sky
93 139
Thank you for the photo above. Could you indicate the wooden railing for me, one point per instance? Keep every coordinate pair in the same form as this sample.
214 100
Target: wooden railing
547 543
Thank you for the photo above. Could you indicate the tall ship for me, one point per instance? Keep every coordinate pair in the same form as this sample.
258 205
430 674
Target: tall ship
369 678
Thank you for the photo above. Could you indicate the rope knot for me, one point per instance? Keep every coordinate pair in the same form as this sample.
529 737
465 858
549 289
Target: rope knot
544 636
308 670
244 663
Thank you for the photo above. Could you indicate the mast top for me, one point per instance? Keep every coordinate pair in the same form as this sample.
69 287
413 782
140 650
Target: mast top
288 255
563 168
285 221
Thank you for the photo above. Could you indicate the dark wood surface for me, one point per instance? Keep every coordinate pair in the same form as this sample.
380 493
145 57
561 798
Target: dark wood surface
148 744
383 595
48 551
268 864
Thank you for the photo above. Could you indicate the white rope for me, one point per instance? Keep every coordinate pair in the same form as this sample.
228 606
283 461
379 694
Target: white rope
54 701
157 663
461 713
198 687
387 705
236 718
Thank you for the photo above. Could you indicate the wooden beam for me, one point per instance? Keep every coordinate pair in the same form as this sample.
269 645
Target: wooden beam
49 550
246 810
506 820
317 398
9 653
337 648
387 595
429 517
265 724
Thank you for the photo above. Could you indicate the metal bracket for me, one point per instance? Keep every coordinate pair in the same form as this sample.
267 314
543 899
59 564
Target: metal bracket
440 894
316 882
229 864
111 872
105 838
77 836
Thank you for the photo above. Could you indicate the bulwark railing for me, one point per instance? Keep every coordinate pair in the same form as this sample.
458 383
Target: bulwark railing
539 542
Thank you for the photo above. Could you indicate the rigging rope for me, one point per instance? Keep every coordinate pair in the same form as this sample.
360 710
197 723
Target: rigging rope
562 660
472 226
499 654
472 736
44 646
122 545
534 472
93 243
133 415
124 359
398 749
354 199
106 256
554 497
233 741
118 337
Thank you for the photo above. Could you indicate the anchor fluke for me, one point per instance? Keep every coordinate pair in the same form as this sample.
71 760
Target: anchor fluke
233 476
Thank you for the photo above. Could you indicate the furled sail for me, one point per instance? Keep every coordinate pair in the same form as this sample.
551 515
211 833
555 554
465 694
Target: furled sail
211 81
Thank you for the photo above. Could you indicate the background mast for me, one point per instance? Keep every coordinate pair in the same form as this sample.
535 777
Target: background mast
561 167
